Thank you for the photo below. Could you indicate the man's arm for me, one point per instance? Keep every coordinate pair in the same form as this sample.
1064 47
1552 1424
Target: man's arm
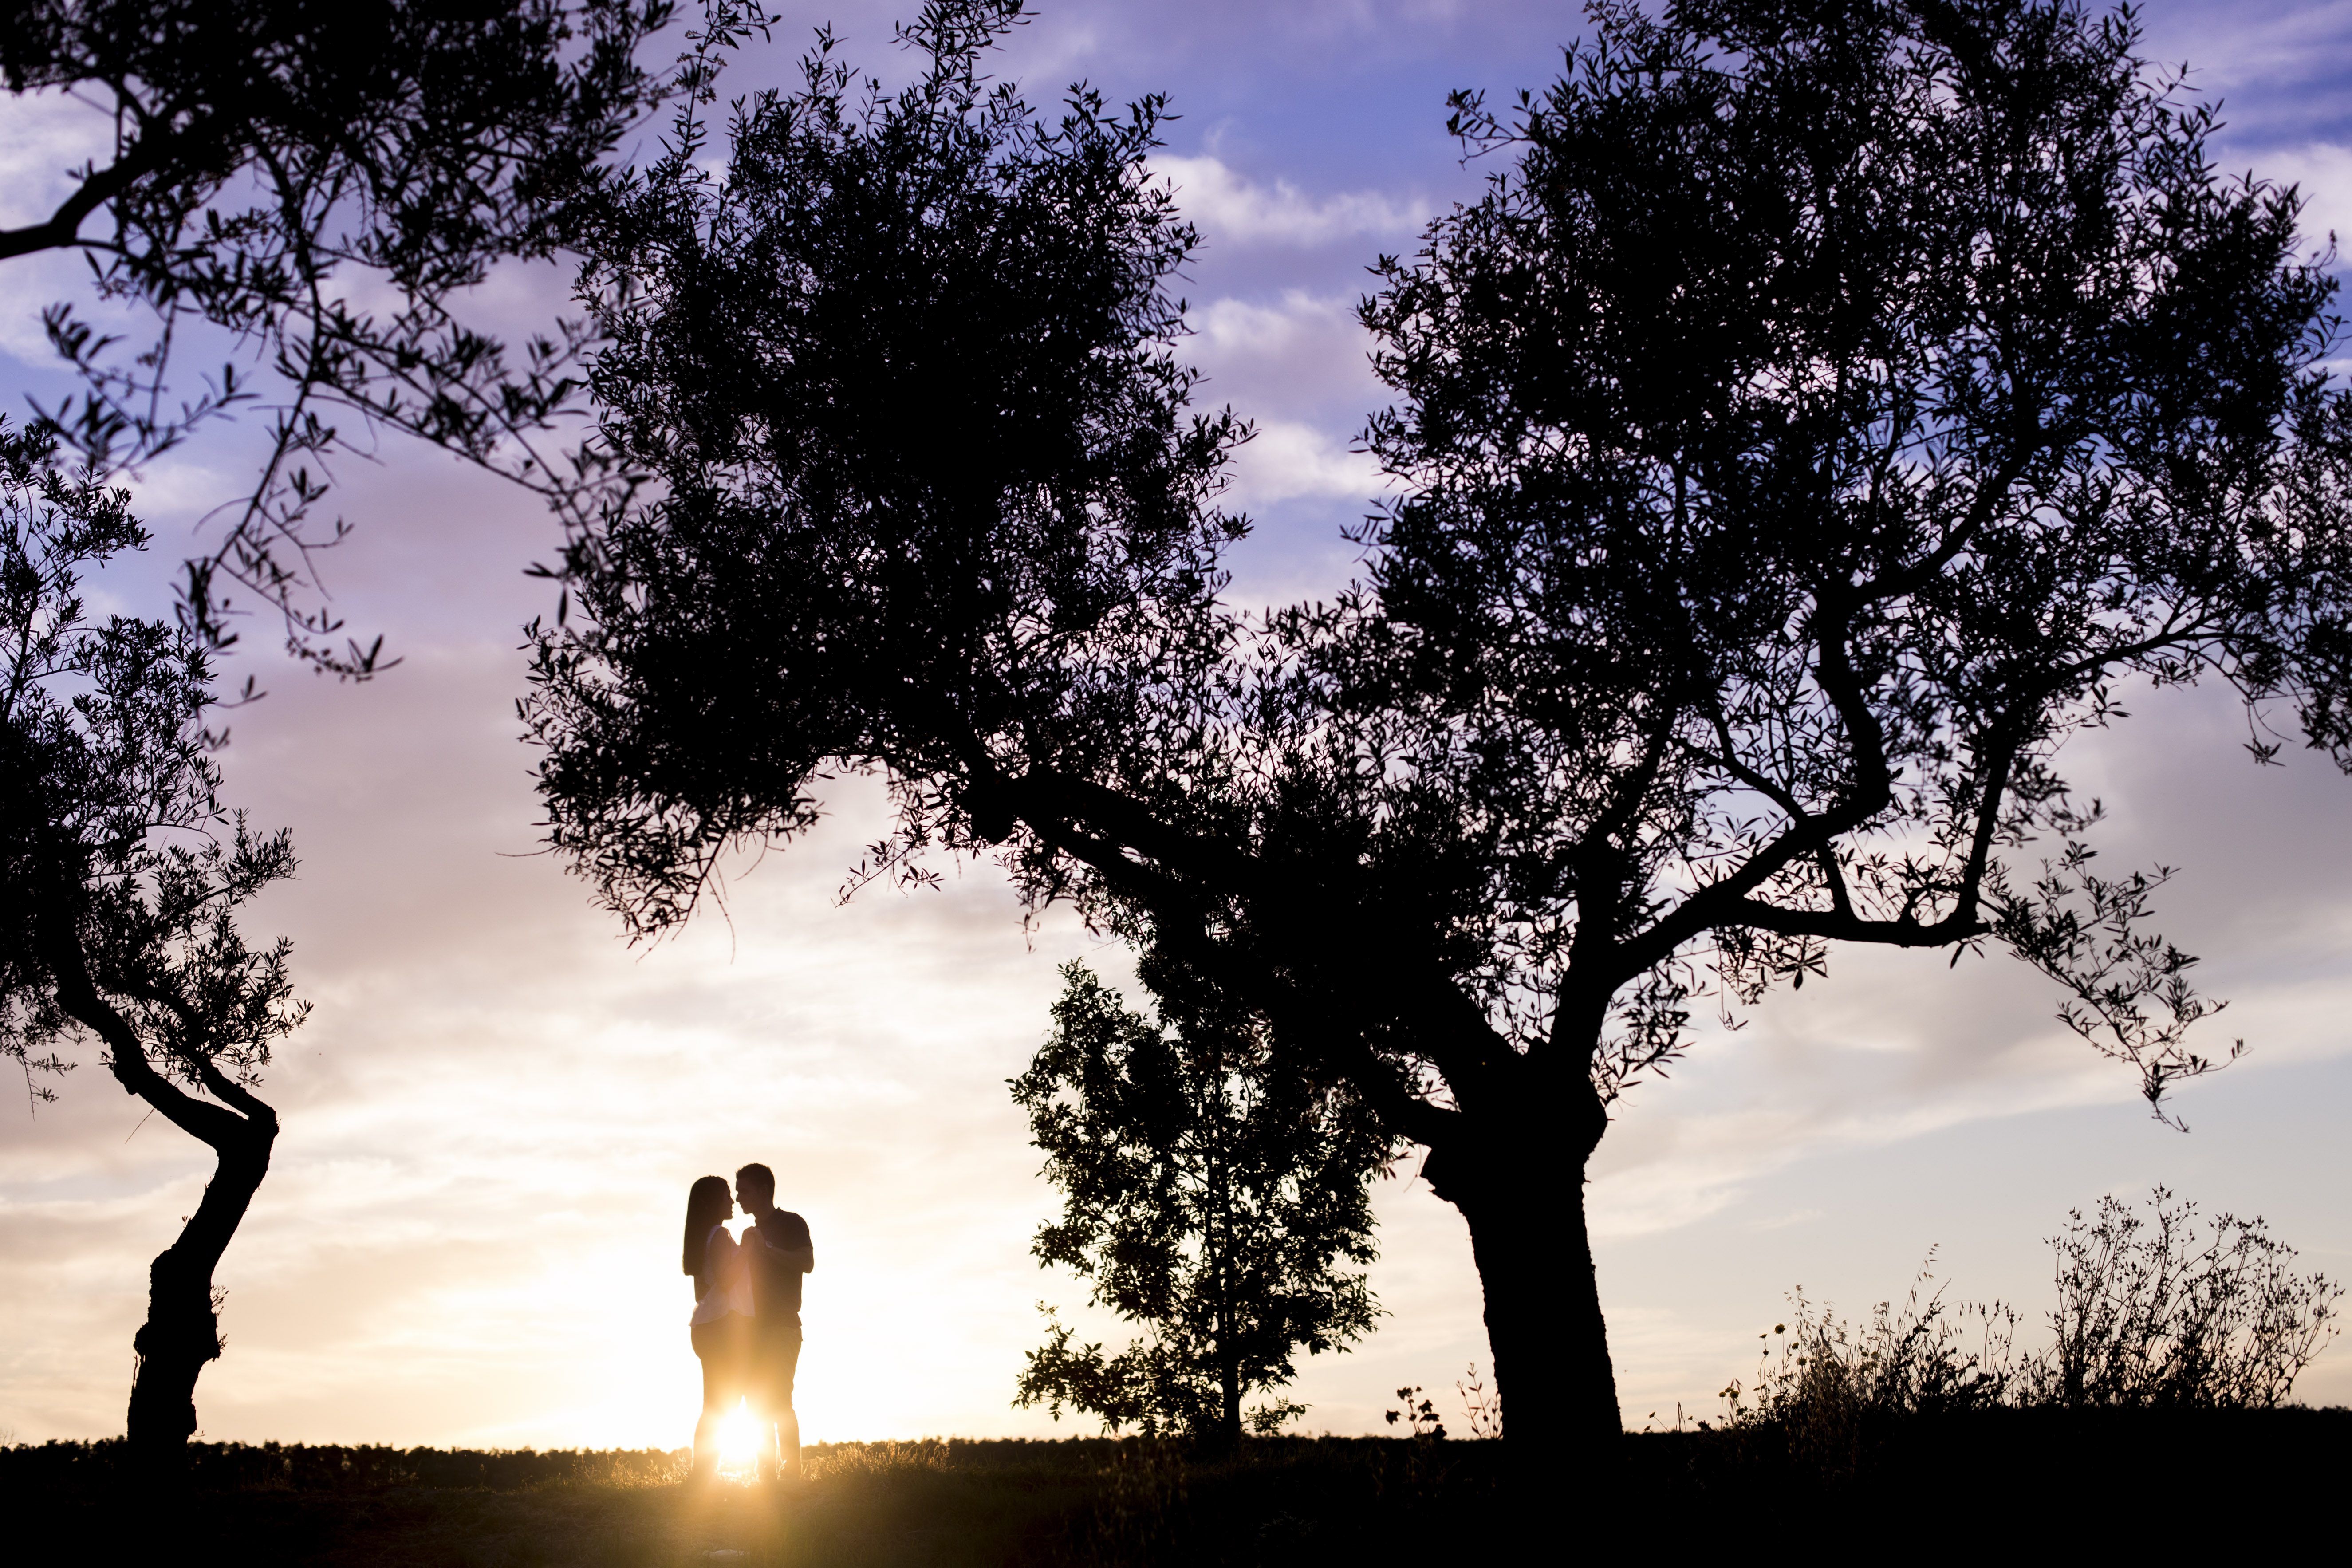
800 1253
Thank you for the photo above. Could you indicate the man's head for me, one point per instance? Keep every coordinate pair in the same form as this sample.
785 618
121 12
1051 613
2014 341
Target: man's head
755 1187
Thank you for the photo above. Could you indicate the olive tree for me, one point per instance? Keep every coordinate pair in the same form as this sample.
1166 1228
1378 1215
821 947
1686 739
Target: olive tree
1825 413
124 876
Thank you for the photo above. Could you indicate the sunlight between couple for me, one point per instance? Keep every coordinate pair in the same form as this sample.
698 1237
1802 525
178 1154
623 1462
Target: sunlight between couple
746 1316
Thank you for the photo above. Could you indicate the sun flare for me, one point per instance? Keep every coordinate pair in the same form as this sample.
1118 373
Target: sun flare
738 1441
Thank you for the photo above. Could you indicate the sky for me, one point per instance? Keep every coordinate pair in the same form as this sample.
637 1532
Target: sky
469 1232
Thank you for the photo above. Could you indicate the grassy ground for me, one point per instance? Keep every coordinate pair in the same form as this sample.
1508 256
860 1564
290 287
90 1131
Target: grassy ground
1078 1501
1982 1481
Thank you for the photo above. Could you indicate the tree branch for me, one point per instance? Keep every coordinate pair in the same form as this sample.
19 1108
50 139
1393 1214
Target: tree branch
219 1084
219 1128
1835 926
62 227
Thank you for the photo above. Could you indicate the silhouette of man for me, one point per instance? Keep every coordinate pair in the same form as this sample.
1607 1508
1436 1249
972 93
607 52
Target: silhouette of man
780 1251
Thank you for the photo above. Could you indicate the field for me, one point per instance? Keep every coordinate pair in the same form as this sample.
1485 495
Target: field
2108 1480
931 1503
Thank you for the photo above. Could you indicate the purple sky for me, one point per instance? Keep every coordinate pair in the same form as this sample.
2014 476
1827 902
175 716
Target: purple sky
491 1121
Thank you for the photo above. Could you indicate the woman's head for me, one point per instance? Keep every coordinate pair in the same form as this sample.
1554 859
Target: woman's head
707 1204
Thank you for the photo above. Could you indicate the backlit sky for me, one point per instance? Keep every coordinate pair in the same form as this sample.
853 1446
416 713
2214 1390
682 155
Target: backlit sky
469 1234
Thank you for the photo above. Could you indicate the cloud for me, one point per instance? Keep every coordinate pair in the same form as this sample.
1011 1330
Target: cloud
1298 369
1234 209
44 136
1288 461
2322 170
2260 44
1299 355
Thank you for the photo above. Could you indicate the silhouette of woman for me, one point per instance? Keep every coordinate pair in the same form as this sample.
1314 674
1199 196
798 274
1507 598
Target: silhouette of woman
721 1325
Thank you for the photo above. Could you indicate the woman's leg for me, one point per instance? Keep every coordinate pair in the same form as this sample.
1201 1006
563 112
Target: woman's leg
719 1388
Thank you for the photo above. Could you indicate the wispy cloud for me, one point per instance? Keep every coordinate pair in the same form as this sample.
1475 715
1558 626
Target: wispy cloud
2322 172
1288 461
1234 209
1296 352
1298 367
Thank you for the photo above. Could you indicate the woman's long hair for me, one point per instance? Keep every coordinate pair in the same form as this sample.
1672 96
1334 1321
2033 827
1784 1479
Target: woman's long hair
707 1205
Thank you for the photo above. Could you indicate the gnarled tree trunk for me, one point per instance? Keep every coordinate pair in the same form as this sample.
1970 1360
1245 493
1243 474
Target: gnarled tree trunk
1517 1177
183 1329
182 1332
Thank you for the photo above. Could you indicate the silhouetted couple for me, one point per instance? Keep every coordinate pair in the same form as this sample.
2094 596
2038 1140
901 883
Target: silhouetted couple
747 1314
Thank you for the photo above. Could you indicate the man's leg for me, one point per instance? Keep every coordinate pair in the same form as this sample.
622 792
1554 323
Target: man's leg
779 1422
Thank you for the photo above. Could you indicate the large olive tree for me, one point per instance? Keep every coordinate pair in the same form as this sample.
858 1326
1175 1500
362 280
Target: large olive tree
1826 411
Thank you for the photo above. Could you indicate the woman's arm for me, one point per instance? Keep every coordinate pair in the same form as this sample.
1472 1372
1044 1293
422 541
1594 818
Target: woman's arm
724 1259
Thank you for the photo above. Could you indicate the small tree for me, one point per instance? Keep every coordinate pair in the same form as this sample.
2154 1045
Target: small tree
123 876
1207 1196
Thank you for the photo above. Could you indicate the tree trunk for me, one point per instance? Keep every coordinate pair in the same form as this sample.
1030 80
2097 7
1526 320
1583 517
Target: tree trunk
183 1329
1521 1188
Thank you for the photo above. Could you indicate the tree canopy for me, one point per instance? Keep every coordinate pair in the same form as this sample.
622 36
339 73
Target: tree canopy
318 183
1825 412
1796 454
900 383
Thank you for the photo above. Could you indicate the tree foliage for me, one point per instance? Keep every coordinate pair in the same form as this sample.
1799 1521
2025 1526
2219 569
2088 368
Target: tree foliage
1826 411
125 874
1831 411
1207 1196
321 181
900 384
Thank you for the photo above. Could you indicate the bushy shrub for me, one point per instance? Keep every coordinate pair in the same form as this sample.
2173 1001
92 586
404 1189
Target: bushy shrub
2163 1312
2157 1310
1827 1387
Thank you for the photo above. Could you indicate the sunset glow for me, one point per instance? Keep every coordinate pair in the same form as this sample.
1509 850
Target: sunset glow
469 1235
